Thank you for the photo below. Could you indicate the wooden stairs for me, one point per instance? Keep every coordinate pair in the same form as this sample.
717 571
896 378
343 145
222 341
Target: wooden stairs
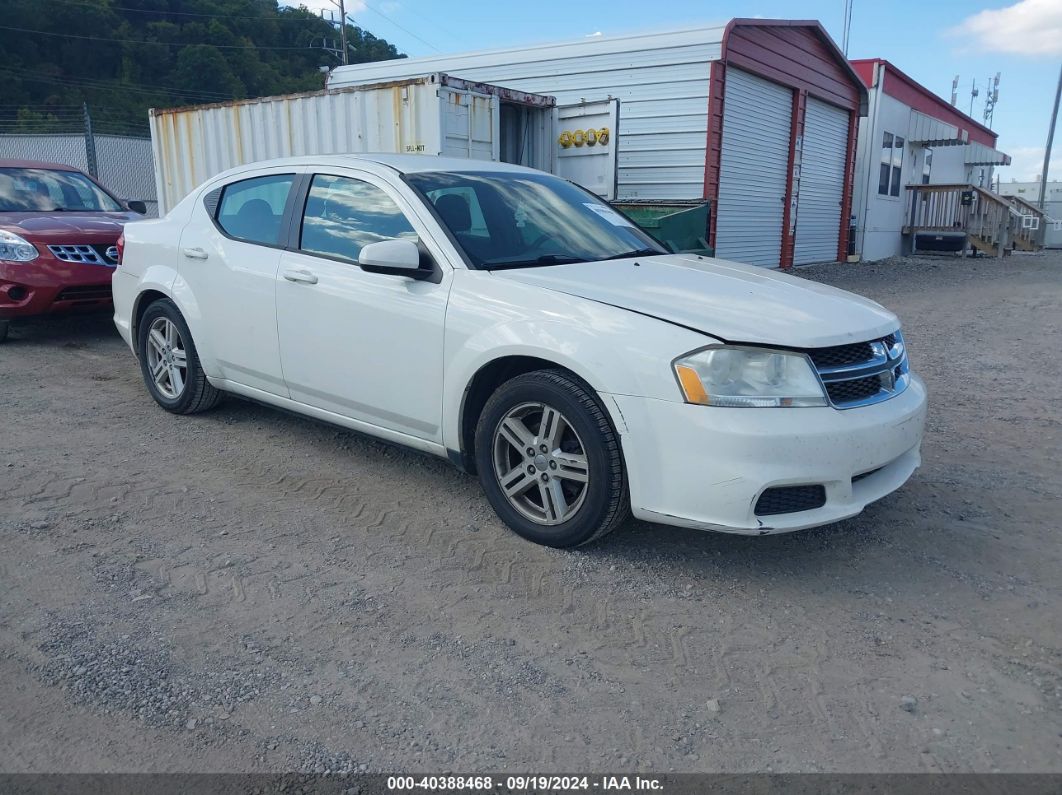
993 224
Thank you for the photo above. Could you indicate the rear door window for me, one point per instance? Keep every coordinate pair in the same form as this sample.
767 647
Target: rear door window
252 210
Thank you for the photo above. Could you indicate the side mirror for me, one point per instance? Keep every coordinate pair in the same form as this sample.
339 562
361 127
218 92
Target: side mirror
394 257
137 206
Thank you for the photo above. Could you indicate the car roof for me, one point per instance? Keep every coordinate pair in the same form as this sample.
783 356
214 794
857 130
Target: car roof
37 164
405 164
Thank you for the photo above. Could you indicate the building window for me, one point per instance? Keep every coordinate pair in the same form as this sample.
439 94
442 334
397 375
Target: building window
897 165
886 164
927 166
891 164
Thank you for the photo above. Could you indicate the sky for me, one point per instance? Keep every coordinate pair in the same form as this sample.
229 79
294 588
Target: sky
930 40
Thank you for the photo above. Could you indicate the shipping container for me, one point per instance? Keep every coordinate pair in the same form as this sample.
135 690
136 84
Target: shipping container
434 114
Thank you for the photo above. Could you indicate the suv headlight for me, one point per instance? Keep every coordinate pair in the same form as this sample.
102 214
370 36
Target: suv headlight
739 377
16 249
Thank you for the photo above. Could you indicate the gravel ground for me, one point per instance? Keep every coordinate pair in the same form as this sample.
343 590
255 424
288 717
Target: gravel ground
247 590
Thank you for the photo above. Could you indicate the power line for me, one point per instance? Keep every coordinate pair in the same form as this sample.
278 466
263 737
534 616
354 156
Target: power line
126 87
266 18
145 41
31 74
396 24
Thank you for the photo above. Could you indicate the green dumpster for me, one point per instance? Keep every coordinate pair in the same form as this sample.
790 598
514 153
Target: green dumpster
680 227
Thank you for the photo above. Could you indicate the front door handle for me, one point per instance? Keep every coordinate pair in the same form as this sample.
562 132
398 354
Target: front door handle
302 277
195 253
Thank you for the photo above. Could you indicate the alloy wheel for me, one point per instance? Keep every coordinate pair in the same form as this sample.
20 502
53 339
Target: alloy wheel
540 463
167 358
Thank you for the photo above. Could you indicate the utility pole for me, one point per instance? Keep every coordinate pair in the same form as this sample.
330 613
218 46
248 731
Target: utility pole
342 6
847 25
1050 140
90 141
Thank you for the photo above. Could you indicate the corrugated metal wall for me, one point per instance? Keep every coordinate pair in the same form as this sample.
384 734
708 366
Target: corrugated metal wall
821 186
123 164
194 144
753 169
661 81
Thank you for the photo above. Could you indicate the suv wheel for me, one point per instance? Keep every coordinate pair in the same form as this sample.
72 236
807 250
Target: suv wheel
169 362
550 460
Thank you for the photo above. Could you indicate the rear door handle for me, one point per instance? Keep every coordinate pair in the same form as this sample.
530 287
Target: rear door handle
195 253
302 277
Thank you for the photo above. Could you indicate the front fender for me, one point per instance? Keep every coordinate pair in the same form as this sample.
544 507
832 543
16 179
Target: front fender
615 351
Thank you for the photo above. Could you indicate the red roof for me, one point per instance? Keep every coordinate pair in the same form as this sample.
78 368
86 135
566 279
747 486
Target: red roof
910 92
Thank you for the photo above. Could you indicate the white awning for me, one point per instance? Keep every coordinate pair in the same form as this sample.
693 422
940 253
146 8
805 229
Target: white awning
981 155
924 130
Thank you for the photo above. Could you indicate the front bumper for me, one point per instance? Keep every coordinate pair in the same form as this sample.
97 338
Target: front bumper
47 285
706 467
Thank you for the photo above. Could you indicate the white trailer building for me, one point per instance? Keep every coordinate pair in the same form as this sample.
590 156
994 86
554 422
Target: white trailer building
757 116
923 168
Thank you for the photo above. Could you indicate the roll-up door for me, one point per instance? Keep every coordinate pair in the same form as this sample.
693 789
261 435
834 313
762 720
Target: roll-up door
821 186
757 118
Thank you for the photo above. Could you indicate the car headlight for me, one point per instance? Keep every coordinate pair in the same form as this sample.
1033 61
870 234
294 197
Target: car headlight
16 249
738 377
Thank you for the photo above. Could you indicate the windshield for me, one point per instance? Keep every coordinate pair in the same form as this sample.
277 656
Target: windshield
34 190
516 220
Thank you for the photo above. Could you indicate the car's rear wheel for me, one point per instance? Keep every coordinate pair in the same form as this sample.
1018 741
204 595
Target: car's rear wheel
5 326
550 460
169 362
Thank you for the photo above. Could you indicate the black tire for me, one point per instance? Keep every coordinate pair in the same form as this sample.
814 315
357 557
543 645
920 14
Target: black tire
605 504
197 394
5 326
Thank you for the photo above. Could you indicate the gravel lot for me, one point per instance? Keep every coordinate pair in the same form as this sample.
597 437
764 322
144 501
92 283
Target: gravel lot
248 590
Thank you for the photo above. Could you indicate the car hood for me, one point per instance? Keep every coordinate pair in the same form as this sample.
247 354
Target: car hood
728 300
40 225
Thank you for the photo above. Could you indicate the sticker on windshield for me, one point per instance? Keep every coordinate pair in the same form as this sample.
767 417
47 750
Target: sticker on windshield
610 215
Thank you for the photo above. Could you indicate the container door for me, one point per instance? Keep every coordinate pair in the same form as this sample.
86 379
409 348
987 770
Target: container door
821 186
757 116
470 123
585 138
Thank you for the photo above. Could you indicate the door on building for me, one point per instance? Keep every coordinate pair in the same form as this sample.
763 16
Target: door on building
821 186
586 145
757 119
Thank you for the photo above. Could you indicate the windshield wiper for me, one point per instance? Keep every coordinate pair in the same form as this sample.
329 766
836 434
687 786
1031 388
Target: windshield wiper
640 252
545 259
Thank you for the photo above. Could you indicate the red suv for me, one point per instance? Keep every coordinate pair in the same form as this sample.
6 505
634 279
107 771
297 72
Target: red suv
59 231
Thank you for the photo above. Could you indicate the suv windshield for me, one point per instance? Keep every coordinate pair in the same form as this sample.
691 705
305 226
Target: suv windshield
34 190
516 220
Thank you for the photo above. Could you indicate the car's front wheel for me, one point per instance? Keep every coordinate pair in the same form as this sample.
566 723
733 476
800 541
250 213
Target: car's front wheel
169 361
550 460
5 326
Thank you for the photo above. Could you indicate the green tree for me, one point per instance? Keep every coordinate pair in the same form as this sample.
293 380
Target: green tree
202 68
123 57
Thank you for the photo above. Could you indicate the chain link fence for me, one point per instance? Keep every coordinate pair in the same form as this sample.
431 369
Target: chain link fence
122 162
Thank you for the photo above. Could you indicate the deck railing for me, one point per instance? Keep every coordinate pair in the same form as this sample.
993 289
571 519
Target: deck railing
1032 222
992 224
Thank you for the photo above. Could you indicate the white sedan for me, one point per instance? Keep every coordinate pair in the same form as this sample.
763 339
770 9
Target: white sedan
520 326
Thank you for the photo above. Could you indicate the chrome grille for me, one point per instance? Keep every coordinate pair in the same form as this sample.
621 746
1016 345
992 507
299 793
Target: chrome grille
863 373
86 254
